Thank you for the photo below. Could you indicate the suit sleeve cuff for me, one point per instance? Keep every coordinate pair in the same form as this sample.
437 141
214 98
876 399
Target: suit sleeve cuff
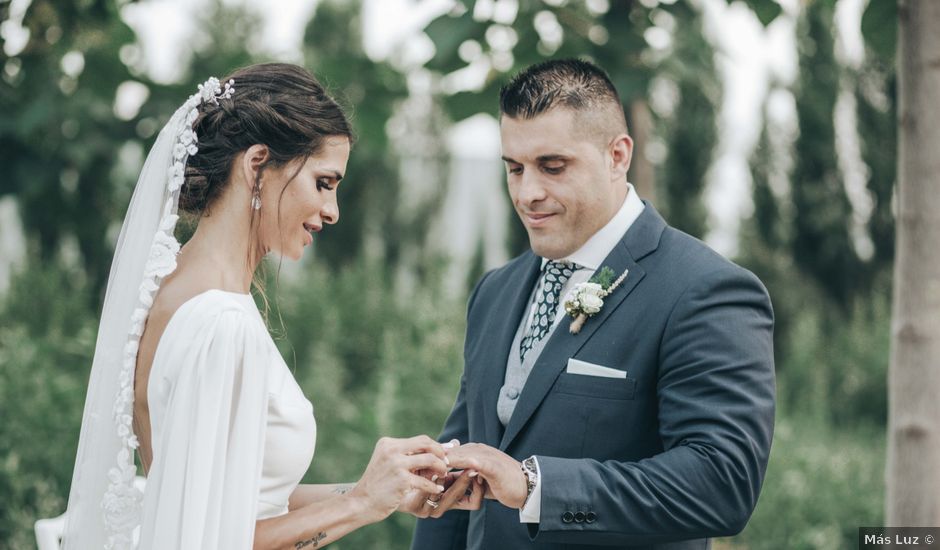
531 512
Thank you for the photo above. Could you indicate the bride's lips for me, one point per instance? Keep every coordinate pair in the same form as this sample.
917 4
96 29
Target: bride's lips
309 230
537 219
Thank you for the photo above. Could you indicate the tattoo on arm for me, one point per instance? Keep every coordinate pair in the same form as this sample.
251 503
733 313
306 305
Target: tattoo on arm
343 489
315 541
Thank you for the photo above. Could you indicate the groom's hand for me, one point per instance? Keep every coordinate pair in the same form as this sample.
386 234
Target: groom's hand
462 493
501 473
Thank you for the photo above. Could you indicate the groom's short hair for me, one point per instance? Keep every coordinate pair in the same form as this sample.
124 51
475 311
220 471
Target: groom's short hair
574 84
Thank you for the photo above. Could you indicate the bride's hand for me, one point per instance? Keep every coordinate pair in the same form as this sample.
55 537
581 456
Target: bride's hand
392 473
463 492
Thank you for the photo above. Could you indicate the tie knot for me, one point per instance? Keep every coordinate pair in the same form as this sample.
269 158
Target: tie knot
558 271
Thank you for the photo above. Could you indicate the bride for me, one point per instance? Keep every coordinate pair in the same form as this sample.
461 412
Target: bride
185 372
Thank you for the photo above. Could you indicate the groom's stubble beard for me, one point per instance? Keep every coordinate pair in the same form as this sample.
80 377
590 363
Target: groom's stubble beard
581 198
569 231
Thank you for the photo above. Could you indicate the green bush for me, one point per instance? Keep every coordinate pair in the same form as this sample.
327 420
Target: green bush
821 485
835 367
832 361
375 361
46 347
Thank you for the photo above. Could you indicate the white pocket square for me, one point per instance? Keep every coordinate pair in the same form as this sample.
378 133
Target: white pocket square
583 367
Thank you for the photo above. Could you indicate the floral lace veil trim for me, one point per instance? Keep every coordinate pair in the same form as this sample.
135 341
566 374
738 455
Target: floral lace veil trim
122 501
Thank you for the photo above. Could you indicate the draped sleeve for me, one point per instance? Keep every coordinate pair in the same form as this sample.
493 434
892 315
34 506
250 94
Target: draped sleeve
208 400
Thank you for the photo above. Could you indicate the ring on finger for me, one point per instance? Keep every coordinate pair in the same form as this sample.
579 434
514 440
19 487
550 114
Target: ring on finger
432 503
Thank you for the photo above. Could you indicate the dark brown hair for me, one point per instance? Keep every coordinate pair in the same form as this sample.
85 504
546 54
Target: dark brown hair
278 105
575 84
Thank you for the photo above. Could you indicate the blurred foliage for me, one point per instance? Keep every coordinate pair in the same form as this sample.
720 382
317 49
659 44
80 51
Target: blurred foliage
370 92
537 31
821 485
507 40
821 241
804 226
875 88
690 132
58 134
765 10
46 348
70 156
881 36
830 367
375 363
378 360
832 342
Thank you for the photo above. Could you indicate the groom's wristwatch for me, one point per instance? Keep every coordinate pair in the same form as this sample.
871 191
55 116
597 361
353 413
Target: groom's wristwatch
531 471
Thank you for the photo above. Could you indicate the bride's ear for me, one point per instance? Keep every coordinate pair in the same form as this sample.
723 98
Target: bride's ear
251 164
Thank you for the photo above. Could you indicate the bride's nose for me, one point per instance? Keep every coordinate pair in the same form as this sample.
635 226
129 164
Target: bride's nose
330 212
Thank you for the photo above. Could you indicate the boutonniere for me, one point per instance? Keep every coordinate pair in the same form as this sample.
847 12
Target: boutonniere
586 299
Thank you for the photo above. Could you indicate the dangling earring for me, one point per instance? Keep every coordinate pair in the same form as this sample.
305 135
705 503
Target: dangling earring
256 197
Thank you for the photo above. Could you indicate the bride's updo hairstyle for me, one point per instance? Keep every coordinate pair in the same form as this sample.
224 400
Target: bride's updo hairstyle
278 105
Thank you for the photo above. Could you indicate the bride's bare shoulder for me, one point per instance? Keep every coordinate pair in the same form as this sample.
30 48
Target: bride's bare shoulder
199 297
171 296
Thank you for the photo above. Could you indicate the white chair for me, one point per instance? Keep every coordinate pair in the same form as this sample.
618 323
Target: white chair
49 531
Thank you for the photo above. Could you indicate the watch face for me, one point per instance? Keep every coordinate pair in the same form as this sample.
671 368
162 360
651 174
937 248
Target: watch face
531 474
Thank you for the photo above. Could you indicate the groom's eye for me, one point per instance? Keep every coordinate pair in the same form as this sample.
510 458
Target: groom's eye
514 169
553 169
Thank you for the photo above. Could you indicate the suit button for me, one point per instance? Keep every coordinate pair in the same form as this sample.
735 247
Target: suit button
567 517
512 393
590 517
579 517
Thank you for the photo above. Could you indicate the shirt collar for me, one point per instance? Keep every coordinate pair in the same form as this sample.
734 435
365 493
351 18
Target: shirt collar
593 252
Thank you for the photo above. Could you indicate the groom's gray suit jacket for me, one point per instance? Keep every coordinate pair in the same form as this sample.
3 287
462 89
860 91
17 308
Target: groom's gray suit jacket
665 458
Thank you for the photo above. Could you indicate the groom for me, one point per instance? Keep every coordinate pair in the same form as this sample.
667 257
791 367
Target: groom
651 426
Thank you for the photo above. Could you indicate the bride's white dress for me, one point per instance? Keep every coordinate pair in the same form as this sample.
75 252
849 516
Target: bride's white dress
232 433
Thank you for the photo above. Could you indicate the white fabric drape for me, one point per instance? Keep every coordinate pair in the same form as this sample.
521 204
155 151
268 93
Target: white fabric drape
100 443
209 400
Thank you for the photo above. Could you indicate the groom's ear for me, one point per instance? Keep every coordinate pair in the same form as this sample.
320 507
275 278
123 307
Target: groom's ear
252 163
620 152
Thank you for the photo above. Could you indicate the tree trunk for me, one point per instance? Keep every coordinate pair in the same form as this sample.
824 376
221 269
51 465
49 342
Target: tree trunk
913 469
642 174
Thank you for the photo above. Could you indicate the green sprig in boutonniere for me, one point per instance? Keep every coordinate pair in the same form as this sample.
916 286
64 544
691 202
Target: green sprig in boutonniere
586 299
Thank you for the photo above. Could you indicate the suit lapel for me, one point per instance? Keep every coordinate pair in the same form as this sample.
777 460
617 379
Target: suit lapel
640 240
506 316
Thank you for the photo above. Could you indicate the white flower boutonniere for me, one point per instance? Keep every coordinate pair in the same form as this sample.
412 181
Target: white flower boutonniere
586 299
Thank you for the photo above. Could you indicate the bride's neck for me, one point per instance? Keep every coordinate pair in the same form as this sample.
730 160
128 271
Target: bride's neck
223 250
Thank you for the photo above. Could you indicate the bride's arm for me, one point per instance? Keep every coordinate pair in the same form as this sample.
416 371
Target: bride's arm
306 494
315 524
388 478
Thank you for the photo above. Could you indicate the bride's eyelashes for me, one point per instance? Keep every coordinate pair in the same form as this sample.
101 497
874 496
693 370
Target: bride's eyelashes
324 184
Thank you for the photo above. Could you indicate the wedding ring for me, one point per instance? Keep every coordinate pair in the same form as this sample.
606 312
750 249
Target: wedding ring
432 503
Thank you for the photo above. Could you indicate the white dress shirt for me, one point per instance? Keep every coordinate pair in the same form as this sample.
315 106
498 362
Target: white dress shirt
589 257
